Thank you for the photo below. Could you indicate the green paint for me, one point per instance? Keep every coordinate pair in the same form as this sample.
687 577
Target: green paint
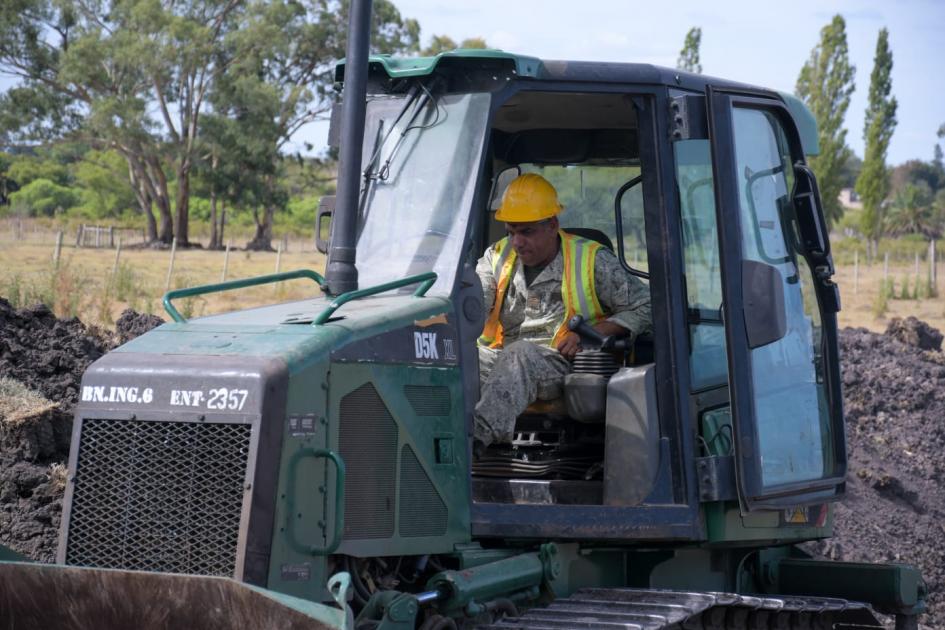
8 555
422 434
890 588
805 121
400 67
301 497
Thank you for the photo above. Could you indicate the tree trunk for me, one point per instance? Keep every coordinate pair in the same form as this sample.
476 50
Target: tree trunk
222 220
158 183
145 203
183 204
151 222
216 239
214 236
262 240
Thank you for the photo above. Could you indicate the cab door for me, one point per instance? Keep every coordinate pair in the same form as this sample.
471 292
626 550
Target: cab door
779 307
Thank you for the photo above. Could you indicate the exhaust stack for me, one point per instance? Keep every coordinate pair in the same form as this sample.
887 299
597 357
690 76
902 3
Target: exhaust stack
341 274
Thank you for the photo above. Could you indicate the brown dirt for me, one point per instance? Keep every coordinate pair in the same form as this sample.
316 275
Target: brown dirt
42 359
894 509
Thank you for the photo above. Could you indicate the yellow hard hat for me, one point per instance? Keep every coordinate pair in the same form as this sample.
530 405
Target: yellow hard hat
530 197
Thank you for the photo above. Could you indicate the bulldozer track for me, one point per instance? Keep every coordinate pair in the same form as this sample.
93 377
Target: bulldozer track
635 609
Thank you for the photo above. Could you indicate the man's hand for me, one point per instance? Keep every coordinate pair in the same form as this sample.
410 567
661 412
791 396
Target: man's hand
571 344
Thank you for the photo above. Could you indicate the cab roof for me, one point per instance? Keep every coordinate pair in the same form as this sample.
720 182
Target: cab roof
533 68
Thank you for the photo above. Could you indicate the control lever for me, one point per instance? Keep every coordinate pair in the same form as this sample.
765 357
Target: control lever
587 333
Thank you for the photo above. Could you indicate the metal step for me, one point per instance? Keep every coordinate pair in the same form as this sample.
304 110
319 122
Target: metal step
645 609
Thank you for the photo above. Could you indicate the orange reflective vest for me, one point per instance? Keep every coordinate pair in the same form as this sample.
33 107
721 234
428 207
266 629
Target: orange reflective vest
577 286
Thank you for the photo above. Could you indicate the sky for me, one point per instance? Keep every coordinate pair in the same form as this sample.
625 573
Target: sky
759 42
754 41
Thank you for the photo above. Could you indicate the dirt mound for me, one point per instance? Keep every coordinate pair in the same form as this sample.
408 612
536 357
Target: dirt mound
894 510
42 359
132 324
914 332
47 354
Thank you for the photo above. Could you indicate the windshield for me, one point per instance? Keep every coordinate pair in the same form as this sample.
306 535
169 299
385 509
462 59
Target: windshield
420 186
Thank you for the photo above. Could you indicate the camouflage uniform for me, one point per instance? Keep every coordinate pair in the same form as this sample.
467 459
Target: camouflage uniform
527 368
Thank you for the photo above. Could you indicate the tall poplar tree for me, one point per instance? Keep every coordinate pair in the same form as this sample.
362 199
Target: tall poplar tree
689 55
873 182
825 84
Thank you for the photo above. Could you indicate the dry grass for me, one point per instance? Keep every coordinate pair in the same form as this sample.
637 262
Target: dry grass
19 404
859 299
84 284
58 475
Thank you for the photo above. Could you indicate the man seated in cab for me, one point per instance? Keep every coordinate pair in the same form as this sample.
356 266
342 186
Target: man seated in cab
534 280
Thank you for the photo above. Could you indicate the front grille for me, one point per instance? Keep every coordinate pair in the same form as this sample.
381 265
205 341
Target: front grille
158 496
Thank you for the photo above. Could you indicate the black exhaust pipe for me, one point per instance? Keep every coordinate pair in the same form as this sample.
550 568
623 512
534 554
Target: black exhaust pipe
341 274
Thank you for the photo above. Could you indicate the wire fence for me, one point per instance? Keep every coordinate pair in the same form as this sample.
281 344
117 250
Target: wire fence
25 230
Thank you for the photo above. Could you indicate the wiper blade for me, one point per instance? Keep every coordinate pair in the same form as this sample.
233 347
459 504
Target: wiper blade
421 102
417 99
380 142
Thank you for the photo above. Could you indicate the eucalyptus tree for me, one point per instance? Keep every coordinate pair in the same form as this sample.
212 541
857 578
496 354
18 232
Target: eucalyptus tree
128 75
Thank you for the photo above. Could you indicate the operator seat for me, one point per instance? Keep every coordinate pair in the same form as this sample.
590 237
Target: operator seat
591 234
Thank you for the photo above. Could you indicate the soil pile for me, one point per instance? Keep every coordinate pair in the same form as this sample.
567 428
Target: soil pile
894 509
42 359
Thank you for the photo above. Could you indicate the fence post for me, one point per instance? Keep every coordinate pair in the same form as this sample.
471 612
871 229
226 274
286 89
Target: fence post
886 266
933 278
117 256
58 249
78 236
856 271
279 258
917 266
226 262
170 267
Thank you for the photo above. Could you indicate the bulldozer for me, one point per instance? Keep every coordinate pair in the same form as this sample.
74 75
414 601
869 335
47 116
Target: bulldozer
309 464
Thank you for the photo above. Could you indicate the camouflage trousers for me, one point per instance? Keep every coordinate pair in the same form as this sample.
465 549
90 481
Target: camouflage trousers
510 379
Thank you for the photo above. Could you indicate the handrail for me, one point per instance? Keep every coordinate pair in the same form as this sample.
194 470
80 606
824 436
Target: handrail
338 532
233 284
426 279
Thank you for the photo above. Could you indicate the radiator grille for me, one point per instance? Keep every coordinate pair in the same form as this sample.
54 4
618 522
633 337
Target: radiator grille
158 496
422 511
428 400
367 440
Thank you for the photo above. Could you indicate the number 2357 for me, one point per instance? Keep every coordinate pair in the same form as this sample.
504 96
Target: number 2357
223 398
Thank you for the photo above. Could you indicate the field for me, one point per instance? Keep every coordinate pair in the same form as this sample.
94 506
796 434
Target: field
859 299
88 284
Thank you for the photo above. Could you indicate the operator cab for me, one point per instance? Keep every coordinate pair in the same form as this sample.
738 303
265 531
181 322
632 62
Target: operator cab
700 187
586 144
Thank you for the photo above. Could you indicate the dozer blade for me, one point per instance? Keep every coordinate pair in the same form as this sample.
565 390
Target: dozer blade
70 598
